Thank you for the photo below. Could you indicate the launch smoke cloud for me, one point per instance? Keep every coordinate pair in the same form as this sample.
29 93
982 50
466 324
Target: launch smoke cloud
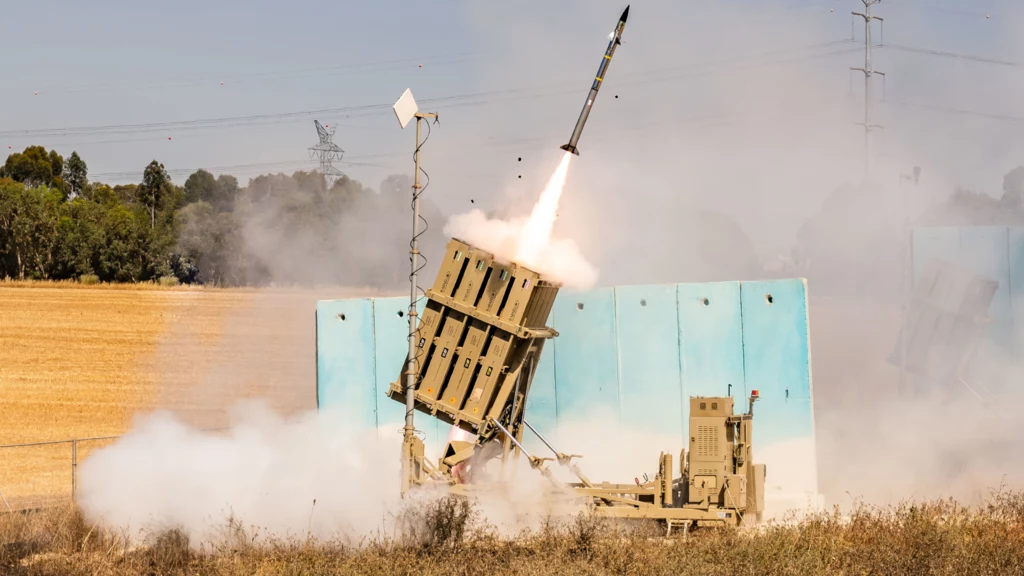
264 473
529 241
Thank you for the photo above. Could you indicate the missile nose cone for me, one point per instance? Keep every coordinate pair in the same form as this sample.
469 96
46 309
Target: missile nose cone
625 14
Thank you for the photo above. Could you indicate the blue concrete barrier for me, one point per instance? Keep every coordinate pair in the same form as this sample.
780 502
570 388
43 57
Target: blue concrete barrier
636 353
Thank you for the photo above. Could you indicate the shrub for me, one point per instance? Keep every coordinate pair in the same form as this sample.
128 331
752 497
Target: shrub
89 279
168 281
436 523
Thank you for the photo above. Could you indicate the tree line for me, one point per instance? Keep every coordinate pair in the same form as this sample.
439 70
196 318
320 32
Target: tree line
278 229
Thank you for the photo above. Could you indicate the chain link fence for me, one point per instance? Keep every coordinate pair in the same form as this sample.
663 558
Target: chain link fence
43 474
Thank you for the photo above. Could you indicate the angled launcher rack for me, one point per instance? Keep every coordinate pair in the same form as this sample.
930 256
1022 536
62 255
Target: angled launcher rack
478 342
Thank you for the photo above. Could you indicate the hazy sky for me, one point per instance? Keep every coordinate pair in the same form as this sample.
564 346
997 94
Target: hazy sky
745 107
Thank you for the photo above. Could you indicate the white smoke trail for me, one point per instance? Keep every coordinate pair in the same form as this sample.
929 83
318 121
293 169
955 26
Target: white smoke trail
536 234
529 241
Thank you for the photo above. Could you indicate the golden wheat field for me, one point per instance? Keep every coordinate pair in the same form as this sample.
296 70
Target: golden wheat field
80 361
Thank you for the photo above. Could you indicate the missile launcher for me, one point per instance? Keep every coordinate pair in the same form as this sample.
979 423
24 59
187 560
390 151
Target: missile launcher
478 343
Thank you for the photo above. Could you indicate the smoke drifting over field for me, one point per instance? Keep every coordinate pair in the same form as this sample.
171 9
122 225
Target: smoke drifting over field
265 473
315 474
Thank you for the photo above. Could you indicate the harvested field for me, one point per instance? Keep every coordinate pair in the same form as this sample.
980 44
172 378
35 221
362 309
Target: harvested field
79 361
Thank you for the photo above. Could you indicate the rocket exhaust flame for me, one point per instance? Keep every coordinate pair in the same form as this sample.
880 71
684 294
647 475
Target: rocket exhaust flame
535 236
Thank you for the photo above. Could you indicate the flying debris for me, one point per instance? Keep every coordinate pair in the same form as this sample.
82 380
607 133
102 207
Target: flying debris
616 39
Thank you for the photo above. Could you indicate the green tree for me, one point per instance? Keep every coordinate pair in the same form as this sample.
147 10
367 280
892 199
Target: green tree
127 193
227 192
102 194
212 240
200 187
56 163
153 189
28 221
76 174
80 236
219 192
1013 188
31 167
126 252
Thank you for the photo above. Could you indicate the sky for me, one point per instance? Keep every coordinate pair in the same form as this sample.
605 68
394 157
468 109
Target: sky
742 107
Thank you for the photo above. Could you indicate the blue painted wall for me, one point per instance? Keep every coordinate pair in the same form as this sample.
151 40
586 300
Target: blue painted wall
636 352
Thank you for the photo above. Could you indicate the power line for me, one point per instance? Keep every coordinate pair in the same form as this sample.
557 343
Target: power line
240 168
909 5
957 111
454 100
956 55
383 65
534 143
177 134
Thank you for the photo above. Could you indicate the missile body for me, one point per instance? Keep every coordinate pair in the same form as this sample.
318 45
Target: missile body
602 70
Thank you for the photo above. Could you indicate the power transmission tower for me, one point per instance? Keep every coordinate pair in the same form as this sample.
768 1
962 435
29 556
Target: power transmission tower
868 71
326 151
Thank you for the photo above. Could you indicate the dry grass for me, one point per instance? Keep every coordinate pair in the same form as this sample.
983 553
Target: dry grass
929 538
80 360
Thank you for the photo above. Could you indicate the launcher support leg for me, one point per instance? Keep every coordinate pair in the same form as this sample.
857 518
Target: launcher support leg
412 462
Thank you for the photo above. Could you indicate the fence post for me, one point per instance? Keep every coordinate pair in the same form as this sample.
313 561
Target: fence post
4 498
74 471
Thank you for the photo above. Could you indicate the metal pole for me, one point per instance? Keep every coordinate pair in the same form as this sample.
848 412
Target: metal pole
410 374
74 471
410 369
903 305
512 438
867 86
908 279
538 435
869 71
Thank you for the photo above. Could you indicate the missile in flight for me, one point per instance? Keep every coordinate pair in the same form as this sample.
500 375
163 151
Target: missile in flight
602 70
